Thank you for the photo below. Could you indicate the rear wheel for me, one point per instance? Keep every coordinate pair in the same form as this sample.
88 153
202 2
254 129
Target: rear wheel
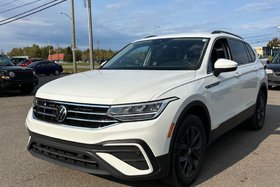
257 120
188 152
56 73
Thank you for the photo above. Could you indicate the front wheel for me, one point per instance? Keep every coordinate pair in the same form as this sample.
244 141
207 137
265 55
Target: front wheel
26 90
188 152
258 118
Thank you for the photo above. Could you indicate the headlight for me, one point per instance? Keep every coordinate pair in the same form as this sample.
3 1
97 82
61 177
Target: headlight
139 111
269 71
12 74
34 73
4 75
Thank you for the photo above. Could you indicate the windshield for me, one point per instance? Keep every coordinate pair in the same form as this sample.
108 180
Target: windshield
32 65
5 61
165 54
276 59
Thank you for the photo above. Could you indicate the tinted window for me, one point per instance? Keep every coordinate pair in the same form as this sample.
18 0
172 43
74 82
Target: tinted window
5 61
238 51
251 54
276 59
166 54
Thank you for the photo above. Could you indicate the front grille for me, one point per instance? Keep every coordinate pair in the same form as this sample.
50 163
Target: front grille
23 75
79 115
69 157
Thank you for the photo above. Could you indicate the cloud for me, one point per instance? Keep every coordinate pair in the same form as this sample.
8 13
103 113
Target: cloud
259 6
116 6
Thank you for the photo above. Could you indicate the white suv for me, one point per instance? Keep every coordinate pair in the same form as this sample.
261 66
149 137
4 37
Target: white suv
151 110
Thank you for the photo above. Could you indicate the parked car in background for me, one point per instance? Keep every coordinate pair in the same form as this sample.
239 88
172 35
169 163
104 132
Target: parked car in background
46 67
19 59
13 77
25 63
273 71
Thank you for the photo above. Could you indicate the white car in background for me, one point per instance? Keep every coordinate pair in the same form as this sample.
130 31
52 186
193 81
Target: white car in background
151 110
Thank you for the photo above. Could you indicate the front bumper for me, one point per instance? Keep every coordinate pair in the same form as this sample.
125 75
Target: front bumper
273 80
146 137
18 84
123 159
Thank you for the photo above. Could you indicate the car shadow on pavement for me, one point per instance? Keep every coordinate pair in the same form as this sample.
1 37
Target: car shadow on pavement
226 150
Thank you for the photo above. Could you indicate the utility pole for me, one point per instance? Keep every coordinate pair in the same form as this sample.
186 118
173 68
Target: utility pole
73 37
98 56
90 34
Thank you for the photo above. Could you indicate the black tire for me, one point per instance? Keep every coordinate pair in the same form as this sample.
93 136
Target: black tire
256 122
26 90
1 92
56 73
188 152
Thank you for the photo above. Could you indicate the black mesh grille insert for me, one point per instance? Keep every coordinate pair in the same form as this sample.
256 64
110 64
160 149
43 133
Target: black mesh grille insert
78 159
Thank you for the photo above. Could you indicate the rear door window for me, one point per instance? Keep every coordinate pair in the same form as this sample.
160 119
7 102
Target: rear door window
238 52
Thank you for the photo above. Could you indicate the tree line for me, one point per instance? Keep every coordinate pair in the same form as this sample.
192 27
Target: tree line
35 51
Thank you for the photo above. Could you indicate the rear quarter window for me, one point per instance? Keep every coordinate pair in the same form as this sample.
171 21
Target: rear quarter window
251 54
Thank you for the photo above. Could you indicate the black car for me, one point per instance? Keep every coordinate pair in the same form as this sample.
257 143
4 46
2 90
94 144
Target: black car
273 71
46 67
16 78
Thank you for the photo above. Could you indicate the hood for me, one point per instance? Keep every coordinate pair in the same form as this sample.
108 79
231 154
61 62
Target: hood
13 68
113 86
274 67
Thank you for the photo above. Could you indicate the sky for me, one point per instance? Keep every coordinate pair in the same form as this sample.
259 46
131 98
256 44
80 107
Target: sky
118 22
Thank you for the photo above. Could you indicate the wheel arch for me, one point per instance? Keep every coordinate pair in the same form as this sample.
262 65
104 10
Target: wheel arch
199 109
263 88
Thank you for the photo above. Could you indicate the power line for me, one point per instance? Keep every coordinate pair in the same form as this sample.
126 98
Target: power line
32 12
8 10
3 20
10 2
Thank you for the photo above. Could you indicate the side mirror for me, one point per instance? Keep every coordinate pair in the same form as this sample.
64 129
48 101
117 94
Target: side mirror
224 65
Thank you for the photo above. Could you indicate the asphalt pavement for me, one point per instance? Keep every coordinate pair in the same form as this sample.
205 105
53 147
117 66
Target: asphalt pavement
239 158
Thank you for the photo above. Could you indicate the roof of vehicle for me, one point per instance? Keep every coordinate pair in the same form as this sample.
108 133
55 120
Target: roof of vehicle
191 35
21 57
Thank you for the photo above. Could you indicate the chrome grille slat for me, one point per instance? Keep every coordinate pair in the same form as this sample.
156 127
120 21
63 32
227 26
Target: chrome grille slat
78 115
96 121
50 108
91 113
46 114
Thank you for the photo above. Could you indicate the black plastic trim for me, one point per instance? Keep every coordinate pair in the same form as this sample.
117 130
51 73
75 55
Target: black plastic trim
158 163
232 122
225 32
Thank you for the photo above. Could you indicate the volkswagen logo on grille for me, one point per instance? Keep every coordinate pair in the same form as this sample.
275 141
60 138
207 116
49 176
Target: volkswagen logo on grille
61 113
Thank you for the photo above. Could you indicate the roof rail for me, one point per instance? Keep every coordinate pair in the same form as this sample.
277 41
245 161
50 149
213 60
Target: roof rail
219 32
150 36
